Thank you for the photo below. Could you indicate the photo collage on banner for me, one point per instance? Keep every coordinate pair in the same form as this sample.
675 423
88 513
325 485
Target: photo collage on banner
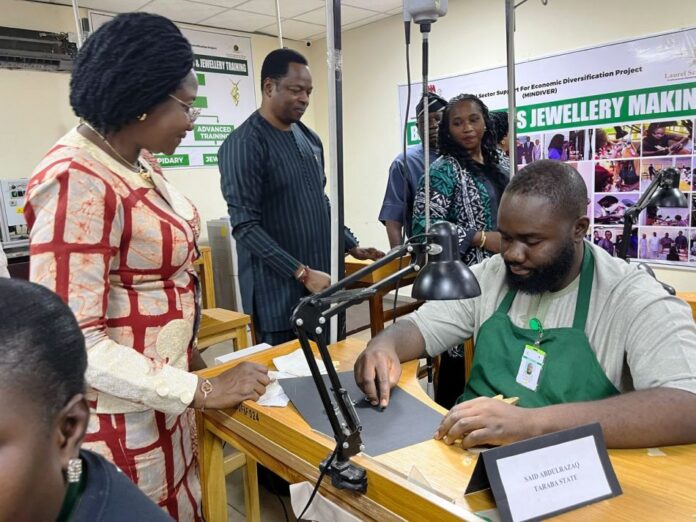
618 163
619 117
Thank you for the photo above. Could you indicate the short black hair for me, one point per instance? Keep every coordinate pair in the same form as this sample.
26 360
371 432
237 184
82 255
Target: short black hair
436 103
42 349
129 65
276 64
500 125
559 183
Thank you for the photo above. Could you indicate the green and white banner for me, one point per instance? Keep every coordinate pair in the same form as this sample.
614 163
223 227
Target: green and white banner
226 93
619 113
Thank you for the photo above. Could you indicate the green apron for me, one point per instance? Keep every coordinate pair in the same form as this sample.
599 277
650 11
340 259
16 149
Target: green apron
570 373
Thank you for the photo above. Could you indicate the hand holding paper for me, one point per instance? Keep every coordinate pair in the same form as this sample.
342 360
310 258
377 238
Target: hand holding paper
485 421
275 395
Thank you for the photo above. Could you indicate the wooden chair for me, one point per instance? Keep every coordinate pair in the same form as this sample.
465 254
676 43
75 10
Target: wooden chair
217 324
204 266
468 357
378 315
690 298
468 362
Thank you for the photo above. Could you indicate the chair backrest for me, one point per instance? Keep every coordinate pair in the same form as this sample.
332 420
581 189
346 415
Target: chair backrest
204 267
468 357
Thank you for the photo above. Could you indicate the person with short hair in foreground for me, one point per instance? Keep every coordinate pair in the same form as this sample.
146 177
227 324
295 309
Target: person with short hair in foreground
43 418
586 321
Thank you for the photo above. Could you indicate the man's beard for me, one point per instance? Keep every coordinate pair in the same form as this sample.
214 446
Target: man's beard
545 278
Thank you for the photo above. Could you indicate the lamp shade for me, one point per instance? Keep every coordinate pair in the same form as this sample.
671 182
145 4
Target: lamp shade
445 276
668 193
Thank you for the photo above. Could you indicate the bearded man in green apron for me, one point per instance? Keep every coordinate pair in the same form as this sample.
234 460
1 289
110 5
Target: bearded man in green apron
577 335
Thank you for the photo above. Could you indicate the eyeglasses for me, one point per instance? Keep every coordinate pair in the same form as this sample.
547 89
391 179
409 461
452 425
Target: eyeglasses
191 112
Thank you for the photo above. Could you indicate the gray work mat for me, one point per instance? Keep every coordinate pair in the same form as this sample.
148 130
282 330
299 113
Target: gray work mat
405 422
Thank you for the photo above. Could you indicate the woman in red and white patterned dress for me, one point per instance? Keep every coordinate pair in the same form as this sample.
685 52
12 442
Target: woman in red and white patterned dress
117 242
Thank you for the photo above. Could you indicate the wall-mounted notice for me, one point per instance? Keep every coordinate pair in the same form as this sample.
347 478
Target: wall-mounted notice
226 92
619 113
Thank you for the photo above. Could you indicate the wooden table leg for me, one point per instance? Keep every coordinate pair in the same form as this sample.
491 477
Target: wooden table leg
376 313
240 338
212 472
251 491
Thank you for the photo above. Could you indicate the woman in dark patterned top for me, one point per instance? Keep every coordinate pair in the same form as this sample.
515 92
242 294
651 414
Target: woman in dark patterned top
467 180
466 184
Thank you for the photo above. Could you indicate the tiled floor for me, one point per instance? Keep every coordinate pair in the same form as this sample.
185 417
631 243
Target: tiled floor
271 509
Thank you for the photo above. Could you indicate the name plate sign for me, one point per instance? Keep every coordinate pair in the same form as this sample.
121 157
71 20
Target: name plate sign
547 475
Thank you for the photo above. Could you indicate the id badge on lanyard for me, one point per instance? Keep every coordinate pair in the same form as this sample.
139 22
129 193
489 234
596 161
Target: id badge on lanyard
532 362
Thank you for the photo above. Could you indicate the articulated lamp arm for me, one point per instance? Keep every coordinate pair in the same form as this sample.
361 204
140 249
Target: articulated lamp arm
309 322
444 276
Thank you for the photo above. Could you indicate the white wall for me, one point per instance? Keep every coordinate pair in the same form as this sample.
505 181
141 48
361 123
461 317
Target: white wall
471 37
36 110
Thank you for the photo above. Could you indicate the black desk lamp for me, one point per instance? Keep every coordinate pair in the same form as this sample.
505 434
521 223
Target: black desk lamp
663 191
443 277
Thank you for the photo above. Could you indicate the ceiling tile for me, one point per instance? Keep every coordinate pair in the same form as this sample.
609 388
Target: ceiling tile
113 6
374 5
240 20
222 3
293 29
318 36
365 21
288 8
318 16
302 19
182 11
348 27
348 15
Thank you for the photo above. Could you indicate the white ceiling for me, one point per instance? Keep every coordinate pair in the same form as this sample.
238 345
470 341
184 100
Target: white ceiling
301 19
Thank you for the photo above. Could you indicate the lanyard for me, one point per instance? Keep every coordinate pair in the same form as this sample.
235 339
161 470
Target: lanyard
535 324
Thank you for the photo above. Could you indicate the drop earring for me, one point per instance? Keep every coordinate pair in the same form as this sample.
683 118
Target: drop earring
142 117
74 470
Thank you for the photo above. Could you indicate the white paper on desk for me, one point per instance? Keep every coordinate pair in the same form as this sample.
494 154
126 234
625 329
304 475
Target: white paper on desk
320 509
295 364
275 396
